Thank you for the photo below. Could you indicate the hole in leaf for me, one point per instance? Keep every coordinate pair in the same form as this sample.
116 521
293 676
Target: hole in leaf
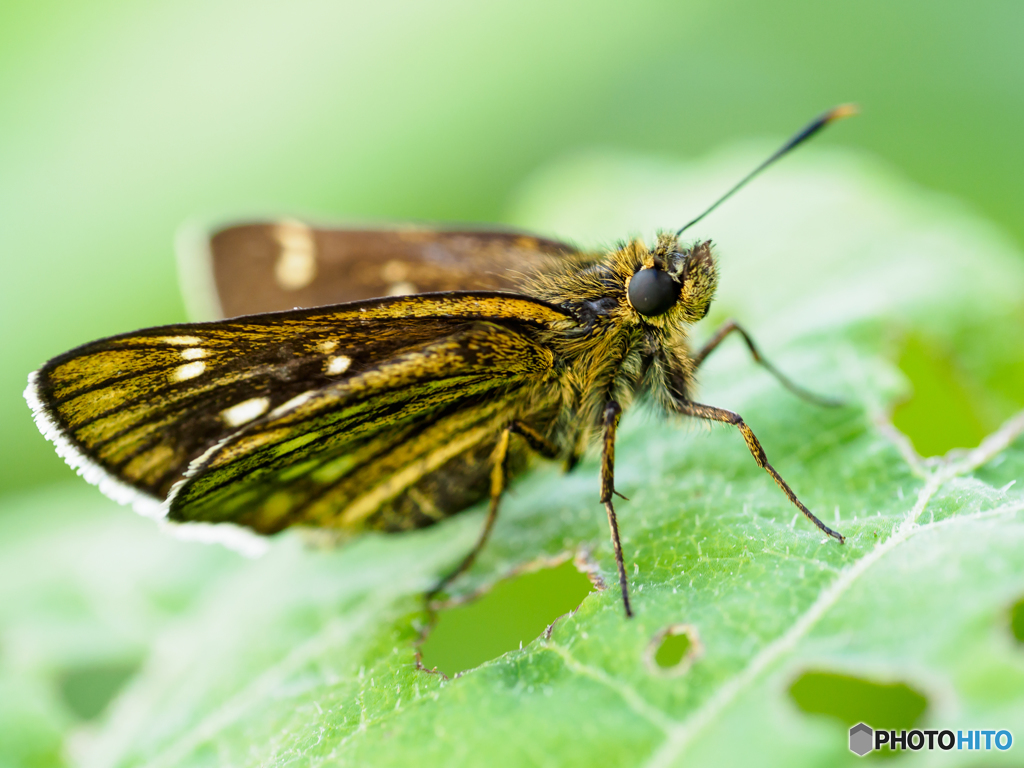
947 408
1017 620
674 649
852 700
511 614
87 690
671 650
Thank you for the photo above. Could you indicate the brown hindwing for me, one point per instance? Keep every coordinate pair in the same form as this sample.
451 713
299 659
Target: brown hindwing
265 267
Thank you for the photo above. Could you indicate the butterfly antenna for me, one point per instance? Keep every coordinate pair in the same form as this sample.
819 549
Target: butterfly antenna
836 113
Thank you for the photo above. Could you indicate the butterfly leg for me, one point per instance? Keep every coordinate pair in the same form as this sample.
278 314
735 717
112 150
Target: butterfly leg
537 442
729 326
612 412
544 447
728 417
499 478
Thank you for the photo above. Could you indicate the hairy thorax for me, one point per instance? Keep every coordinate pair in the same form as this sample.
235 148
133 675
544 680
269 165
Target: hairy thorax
612 353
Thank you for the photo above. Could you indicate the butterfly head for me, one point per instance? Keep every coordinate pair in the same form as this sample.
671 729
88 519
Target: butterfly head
674 281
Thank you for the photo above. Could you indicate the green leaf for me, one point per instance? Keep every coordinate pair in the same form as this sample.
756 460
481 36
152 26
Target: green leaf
307 656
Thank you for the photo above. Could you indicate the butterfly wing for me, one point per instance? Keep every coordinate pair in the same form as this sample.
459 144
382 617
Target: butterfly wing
346 455
131 412
265 267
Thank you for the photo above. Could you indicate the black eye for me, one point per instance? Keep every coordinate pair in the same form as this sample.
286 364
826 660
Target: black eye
652 292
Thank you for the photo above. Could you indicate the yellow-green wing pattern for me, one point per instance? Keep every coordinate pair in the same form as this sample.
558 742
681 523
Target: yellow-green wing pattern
345 456
131 412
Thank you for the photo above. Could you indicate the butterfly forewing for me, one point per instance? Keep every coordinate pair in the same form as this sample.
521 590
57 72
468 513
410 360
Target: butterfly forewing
135 410
264 267
342 455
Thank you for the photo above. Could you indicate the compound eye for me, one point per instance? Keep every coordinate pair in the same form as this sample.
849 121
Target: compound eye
652 292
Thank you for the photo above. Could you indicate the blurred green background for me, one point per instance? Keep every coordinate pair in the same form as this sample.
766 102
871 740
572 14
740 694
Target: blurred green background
122 120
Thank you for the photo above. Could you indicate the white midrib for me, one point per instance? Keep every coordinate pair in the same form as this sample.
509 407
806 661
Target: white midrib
681 733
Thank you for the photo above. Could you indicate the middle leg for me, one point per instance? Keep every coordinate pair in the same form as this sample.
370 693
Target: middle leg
731 326
499 478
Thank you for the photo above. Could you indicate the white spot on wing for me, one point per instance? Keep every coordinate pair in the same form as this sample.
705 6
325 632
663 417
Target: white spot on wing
337 365
193 353
188 371
245 411
326 347
394 271
180 341
403 288
296 264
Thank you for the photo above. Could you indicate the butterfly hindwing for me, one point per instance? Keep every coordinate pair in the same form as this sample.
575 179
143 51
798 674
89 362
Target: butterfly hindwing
264 267
342 455
131 412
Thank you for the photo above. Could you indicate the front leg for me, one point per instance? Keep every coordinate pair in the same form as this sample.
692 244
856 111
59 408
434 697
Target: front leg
612 412
731 326
688 408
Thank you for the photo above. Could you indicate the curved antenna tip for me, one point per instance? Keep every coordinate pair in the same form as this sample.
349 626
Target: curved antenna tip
836 113
841 112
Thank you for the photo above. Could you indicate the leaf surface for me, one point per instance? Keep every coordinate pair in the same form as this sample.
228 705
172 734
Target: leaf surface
307 656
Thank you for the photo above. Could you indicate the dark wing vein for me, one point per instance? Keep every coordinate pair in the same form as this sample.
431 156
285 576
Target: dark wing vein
342 455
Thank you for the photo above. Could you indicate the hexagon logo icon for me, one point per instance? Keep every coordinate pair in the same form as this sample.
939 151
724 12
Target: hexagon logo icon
861 739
